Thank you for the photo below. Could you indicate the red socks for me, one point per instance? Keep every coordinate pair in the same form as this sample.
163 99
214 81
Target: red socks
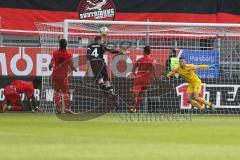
66 101
137 103
58 101
16 108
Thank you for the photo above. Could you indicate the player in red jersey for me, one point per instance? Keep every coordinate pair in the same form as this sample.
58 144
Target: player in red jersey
61 62
143 71
12 96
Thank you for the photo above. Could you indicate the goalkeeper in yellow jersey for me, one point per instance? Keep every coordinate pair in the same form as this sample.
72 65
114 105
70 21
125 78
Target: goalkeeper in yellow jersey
187 71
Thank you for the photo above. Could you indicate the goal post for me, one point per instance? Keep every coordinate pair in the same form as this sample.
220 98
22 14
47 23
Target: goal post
199 43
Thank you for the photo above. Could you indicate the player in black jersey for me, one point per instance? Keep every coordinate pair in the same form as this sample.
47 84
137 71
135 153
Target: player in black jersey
95 52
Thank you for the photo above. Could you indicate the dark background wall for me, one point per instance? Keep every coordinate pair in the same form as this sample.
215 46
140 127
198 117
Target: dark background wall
22 14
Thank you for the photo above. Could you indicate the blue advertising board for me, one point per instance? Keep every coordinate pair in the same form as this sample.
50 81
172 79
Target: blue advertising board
207 57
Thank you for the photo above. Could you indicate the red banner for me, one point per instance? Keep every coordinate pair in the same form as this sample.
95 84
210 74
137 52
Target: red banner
23 16
23 61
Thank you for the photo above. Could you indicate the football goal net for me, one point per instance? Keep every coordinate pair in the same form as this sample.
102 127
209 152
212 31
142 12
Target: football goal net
199 43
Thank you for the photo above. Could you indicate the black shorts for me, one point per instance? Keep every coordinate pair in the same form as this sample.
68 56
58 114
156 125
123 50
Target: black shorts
99 69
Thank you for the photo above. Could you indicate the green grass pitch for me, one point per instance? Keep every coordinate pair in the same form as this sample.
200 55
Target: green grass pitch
45 137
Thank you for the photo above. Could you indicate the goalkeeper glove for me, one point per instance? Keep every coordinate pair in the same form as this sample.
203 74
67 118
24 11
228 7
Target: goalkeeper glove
213 66
166 74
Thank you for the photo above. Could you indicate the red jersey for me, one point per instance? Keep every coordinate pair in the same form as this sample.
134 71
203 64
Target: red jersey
144 66
23 87
61 60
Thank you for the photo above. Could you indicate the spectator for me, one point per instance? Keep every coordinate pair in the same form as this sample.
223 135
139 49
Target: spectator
172 62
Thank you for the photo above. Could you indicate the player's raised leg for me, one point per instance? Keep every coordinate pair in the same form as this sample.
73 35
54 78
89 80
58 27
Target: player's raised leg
100 72
97 66
190 96
196 91
201 100
107 83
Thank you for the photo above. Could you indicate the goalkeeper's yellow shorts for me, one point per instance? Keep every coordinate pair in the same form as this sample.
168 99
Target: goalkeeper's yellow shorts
194 88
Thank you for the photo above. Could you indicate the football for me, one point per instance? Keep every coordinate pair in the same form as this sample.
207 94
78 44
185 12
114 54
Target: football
104 31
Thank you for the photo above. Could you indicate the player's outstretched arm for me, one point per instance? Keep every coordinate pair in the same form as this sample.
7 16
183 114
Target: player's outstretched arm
171 73
194 67
113 51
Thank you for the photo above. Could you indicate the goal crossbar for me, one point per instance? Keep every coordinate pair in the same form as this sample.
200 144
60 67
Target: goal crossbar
141 23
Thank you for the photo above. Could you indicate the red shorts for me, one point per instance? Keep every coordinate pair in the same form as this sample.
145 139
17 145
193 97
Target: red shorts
140 84
61 84
11 95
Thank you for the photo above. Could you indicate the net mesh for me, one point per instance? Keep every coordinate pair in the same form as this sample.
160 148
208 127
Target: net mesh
198 44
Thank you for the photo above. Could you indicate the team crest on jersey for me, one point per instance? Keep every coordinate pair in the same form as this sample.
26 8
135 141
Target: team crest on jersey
96 10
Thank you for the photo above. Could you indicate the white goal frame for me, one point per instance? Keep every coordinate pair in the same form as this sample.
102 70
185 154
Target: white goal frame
138 23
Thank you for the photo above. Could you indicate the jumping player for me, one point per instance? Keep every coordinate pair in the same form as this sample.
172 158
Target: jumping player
61 63
143 71
12 98
95 52
187 71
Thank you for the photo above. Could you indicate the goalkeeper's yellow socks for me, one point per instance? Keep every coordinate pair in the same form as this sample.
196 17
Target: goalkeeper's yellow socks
211 105
204 102
196 104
